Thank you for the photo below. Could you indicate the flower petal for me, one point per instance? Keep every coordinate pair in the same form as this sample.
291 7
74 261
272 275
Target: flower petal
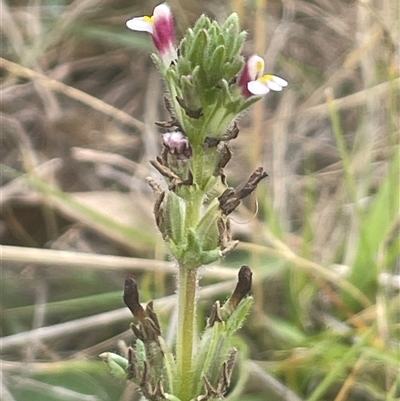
264 84
162 10
142 24
255 65
280 81
272 85
273 82
257 88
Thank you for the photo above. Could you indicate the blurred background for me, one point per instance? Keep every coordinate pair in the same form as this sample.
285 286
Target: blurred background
79 97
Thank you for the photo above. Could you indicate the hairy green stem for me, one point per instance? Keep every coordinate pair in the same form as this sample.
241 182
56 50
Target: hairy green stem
186 330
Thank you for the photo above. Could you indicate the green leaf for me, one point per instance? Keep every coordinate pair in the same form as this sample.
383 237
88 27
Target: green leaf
217 60
238 317
199 50
232 24
206 353
207 228
184 67
158 62
376 224
226 93
237 50
202 23
219 39
170 366
175 214
186 43
234 45
248 102
140 352
208 257
232 69
116 363
213 33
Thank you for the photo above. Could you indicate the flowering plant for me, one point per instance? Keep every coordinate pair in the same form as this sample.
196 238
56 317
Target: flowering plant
208 86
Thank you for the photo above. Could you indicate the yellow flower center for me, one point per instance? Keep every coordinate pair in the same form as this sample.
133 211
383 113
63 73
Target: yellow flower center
266 78
149 19
260 66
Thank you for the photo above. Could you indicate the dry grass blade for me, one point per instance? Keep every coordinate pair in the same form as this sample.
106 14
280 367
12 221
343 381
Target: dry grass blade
51 257
73 93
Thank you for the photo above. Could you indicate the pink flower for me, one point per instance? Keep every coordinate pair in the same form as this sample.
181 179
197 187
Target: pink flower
177 144
253 82
161 27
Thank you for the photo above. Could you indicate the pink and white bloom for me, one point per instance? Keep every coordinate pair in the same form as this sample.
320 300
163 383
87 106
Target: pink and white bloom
177 143
253 82
161 26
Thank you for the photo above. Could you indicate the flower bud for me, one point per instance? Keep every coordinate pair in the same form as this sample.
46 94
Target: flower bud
177 143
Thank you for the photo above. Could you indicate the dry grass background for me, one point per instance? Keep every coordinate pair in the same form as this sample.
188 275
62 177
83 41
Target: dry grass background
79 96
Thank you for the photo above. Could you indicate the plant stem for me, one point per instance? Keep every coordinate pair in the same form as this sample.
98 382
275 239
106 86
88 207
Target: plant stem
186 330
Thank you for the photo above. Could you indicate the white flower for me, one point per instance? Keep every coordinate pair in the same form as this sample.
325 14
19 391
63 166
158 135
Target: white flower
252 82
264 84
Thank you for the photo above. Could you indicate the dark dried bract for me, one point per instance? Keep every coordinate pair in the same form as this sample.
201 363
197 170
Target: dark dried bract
212 141
243 287
146 358
230 199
